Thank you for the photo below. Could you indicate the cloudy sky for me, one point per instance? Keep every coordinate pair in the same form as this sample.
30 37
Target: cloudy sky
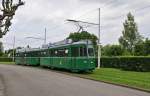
31 20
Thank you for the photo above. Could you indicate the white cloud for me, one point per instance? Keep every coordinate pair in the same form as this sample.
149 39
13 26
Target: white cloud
31 19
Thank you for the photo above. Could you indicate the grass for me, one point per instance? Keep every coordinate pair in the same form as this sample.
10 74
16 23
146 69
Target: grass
140 80
7 63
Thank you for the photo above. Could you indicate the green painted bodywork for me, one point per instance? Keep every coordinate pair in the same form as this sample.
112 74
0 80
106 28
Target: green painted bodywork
69 62
28 59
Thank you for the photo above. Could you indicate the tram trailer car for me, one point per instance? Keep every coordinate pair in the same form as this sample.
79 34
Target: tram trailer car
28 56
75 56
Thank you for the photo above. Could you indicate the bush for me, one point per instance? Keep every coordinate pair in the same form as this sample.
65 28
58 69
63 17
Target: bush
5 59
127 63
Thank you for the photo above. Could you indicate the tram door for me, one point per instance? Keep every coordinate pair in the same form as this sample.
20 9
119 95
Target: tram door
74 56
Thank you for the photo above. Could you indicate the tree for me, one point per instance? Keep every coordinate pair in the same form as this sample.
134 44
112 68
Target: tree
8 11
130 35
84 35
143 48
1 48
112 50
139 49
147 46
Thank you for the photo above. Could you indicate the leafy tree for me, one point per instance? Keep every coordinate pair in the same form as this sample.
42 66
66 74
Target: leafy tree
84 35
130 35
9 52
126 53
139 49
143 48
7 13
1 48
147 46
112 50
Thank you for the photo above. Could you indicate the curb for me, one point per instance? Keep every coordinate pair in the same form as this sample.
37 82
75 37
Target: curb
121 85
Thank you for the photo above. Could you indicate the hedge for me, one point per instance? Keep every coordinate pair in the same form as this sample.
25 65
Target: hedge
5 59
136 63
139 63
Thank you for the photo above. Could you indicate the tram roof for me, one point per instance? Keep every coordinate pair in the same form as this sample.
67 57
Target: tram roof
54 45
27 50
84 42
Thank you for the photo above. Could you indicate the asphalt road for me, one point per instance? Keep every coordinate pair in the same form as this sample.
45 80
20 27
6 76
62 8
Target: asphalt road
31 81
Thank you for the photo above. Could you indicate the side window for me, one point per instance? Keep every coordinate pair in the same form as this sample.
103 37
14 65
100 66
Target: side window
66 52
56 53
22 55
52 53
41 54
83 51
62 52
44 53
47 53
75 51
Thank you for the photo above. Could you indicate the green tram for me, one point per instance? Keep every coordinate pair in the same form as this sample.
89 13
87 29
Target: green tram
73 56
28 56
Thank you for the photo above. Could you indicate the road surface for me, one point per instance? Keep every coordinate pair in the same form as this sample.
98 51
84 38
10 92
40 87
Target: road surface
31 81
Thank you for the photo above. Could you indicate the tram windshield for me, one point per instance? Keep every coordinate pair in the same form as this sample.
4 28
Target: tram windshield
90 50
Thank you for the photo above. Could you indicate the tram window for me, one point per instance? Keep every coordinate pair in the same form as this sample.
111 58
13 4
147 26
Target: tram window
75 52
41 53
91 51
52 53
35 54
61 52
66 51
44 53
83 51
56 53
47 53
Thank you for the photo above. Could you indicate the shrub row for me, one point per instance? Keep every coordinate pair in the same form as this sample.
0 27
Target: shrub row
5 59
127 63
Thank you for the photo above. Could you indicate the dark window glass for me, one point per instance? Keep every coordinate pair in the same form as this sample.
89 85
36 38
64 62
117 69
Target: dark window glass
61 52
91 51
75 51
83 51
52 53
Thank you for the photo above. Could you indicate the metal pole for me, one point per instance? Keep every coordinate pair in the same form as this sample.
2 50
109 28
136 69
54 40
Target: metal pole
45 37
14 49
99 42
